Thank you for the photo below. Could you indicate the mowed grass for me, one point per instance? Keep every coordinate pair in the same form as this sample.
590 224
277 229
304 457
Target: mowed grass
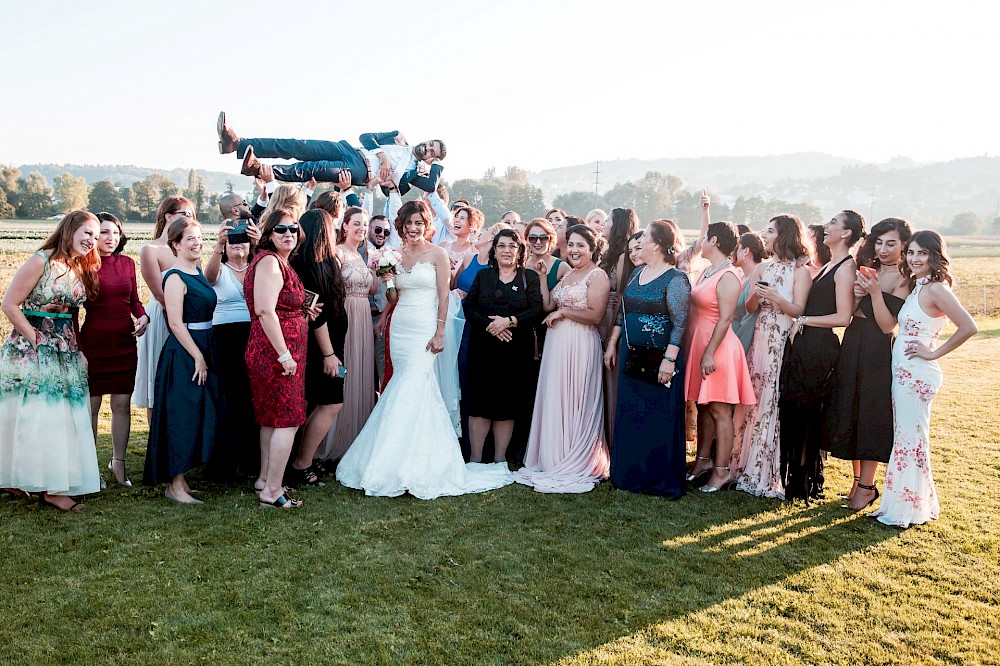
515 577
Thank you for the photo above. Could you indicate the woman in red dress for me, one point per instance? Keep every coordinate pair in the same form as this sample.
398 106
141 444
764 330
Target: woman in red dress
108 337
276 351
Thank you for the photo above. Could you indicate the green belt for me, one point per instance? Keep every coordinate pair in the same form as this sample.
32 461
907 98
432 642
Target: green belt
54 315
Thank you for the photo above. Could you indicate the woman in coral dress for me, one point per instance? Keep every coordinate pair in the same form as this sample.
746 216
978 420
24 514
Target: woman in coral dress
716 375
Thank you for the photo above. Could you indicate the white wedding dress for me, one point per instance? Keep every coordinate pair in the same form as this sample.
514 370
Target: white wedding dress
409 443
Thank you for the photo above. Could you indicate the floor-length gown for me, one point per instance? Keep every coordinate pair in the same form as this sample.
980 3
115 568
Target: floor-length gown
46 441
149 347
756 456
908 495
359 360
566 448
860 427
610 376
186 421
409 443
647 452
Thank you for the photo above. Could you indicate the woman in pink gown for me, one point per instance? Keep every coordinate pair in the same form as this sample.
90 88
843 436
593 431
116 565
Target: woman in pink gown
567 452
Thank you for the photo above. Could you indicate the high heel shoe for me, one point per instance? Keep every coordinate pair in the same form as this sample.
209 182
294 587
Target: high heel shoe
111 468
690 478
861 486
729 484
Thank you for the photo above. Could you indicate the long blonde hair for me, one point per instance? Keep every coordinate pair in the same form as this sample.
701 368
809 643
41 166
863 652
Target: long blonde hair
288 197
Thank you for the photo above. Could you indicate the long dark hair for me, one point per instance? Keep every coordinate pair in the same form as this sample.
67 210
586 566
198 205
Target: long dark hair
522 249
317 258
866 254
624 223
937 257
820 250
593 241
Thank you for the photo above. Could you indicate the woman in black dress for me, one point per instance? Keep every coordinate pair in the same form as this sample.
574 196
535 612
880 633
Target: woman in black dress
810 363
317 266
185 420
861 424
501 309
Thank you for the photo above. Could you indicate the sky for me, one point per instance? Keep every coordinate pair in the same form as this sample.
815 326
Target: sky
537 84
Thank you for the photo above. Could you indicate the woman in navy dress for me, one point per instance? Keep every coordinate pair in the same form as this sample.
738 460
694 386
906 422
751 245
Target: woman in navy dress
185 421
648 449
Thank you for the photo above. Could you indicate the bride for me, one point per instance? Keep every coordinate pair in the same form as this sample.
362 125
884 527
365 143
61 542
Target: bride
408 443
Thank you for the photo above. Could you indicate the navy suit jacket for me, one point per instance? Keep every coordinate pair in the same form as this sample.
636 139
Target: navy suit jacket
428 183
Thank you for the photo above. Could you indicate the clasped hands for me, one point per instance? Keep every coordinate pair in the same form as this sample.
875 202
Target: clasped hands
500 328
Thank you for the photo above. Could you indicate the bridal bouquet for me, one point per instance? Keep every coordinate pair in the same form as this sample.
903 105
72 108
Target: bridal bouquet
386 261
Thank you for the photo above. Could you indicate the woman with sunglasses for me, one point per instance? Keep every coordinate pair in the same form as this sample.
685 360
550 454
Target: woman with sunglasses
276 352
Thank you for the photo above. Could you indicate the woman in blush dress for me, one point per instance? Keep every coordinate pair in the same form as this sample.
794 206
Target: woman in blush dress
716 375
359 346
909 496
155 259
409 445
862 398
810 361
107 340
647 452
780 291
185 423
566 448
46 441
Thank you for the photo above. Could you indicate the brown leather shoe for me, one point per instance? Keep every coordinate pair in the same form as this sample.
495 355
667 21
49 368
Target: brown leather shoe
251 165
228 141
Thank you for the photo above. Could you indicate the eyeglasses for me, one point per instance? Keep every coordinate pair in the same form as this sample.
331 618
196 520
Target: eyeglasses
379 232
282 228
543 238
182 213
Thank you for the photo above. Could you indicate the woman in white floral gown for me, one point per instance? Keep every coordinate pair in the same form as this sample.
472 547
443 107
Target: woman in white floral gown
909 497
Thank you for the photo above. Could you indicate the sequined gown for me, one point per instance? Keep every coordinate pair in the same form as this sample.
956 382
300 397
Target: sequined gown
359 359
647 452
567 452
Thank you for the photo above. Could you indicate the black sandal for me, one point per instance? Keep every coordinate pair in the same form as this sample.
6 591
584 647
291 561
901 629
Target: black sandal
283 502
862 486
303 477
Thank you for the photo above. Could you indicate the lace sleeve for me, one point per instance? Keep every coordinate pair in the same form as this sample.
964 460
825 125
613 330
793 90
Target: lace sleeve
678 298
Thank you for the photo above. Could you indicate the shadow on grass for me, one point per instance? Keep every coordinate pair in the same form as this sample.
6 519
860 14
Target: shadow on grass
510 576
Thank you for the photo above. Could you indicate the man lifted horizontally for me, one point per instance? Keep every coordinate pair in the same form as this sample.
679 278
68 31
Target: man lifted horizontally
384 158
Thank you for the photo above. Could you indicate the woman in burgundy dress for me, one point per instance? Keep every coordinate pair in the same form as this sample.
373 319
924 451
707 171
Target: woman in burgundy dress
276 352
108 336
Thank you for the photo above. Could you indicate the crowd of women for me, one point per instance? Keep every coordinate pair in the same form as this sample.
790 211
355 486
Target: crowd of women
572 349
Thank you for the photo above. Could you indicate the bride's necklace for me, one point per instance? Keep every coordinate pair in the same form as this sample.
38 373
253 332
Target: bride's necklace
712 271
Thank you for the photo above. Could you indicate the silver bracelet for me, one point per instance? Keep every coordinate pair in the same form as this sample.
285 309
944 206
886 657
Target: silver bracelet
287 356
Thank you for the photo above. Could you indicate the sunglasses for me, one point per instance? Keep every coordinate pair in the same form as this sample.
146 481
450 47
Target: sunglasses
543 238
283 228
182 213
379 232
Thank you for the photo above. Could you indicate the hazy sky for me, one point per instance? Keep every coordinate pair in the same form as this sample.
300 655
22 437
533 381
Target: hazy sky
528 82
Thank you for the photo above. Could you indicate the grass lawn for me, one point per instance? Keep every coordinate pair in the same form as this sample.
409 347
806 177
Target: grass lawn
515 577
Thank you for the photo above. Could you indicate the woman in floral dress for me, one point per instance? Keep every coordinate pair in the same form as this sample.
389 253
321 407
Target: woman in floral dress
781 288
909 496
46 441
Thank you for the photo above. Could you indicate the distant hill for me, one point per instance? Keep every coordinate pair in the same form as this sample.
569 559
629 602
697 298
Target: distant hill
120 174
713 172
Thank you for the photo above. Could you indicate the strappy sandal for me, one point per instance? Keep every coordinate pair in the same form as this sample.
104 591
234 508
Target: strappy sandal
846 497
303 477
75 506
862 486
701 476
727 485
283 502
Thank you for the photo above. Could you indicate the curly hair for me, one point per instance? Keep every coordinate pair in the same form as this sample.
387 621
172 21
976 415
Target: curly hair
937 257
867 255
790 243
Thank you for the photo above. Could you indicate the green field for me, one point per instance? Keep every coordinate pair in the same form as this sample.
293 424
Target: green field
516 577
